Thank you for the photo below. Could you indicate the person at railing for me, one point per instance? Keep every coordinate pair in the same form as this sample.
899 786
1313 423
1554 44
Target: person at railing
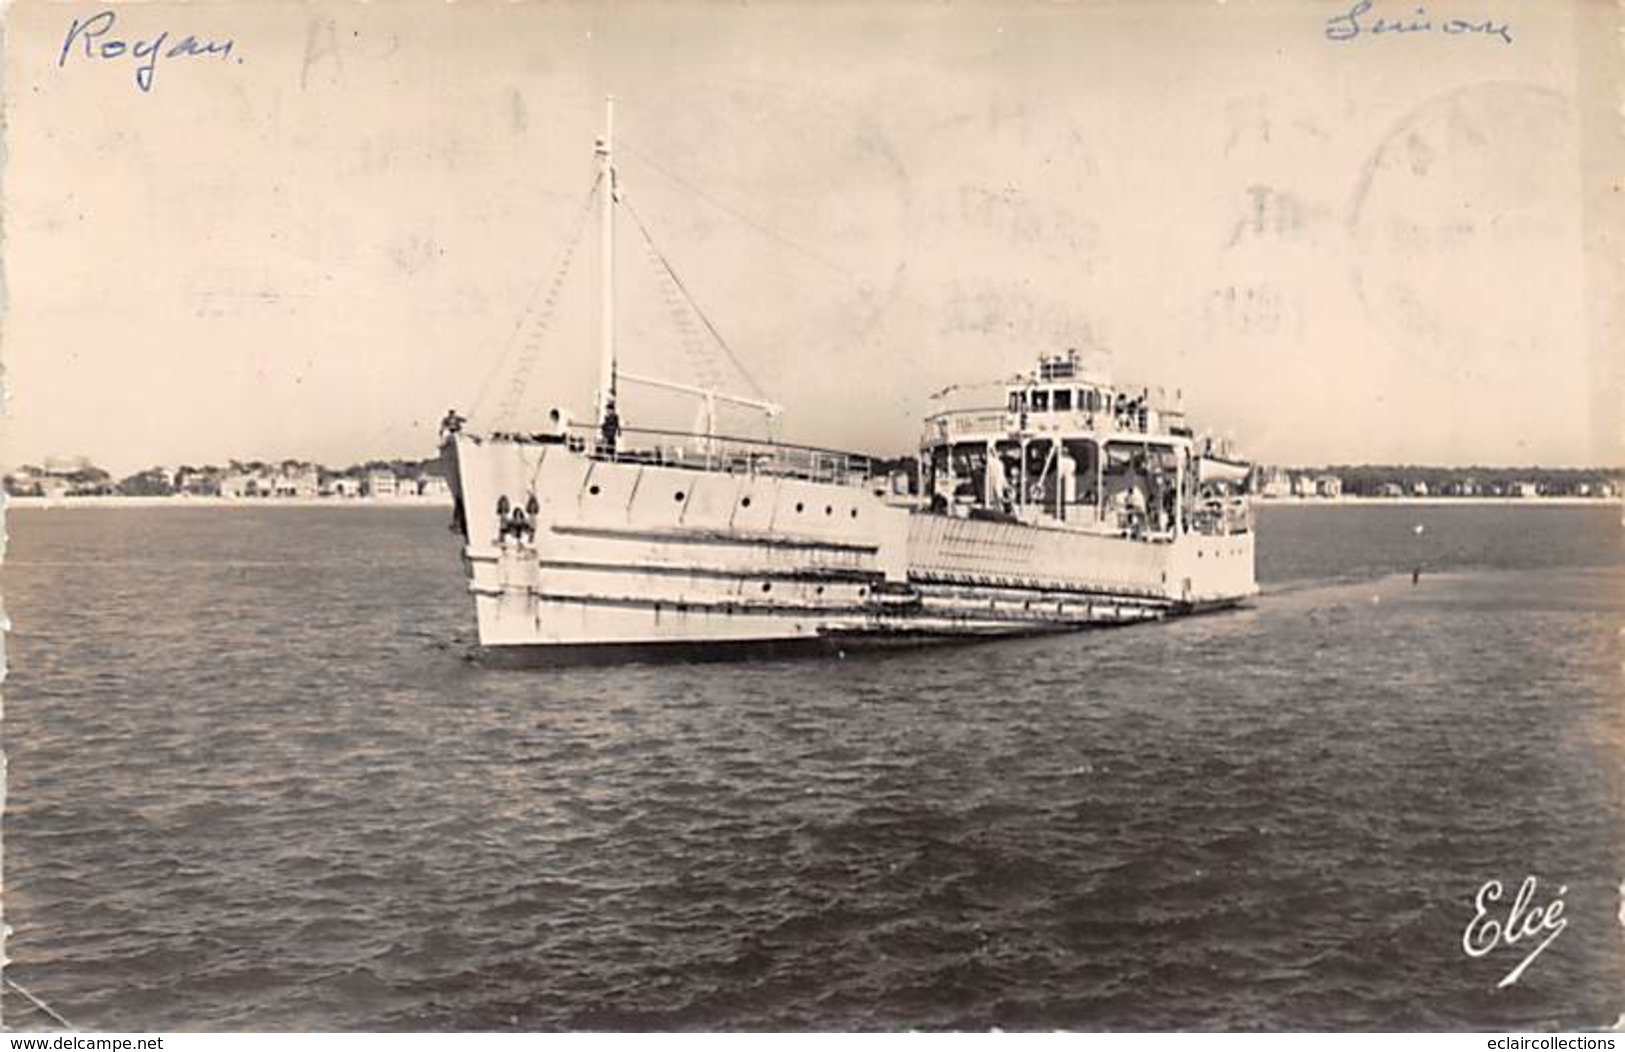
1068 469
942 491
1136 510
1166 504
1089 500
611 431
998 483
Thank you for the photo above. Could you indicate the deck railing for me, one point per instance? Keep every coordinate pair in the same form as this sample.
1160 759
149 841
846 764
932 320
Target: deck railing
1222 516
723 453
955 422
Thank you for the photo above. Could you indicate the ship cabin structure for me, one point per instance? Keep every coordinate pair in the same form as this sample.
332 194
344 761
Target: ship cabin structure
1069 449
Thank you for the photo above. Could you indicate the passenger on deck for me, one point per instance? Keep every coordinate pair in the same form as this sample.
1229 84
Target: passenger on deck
1136 509
943 486
998 484
1069 480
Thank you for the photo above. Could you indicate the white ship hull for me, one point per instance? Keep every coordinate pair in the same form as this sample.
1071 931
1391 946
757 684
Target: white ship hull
703 562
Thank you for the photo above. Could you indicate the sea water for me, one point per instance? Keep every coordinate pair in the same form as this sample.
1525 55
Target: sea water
257 783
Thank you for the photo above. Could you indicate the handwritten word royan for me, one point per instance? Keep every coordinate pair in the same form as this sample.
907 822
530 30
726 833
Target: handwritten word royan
93 39
1347 26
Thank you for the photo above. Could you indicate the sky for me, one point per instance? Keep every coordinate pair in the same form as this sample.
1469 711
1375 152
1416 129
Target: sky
1380 249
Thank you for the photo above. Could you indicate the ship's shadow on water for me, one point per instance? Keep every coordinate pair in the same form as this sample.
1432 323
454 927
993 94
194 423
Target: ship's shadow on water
316 813
756 652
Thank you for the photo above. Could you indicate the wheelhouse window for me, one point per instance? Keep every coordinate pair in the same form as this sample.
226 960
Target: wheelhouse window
1063 401
1018 401
1040 401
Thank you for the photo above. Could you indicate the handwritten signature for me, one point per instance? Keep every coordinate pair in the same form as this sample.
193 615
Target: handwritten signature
1347 26
1484 933
94 40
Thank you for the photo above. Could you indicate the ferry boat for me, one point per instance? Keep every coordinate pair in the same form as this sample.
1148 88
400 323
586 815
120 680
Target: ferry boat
1065 503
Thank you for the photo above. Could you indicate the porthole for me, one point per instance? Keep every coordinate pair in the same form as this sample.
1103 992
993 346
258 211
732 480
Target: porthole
679 497
744 502
593 490
767 586
829 509
819 590
799 507
862 592
854 513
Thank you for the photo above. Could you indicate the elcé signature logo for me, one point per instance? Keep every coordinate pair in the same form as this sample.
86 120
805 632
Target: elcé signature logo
1485 933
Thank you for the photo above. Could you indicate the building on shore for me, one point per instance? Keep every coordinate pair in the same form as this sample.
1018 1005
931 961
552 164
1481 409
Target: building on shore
198 482
297 480
59 477
241 485
380 483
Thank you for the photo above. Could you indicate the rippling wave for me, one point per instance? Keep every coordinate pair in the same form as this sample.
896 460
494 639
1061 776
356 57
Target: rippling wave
256 783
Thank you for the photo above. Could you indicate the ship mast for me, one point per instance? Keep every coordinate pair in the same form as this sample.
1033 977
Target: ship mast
606 324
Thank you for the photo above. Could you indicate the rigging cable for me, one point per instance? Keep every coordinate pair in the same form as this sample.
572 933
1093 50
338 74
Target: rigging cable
509 405
755 224
704 319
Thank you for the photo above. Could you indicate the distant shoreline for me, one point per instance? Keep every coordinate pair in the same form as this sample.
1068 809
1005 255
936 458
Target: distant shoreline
55 503
1377 502
446 502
